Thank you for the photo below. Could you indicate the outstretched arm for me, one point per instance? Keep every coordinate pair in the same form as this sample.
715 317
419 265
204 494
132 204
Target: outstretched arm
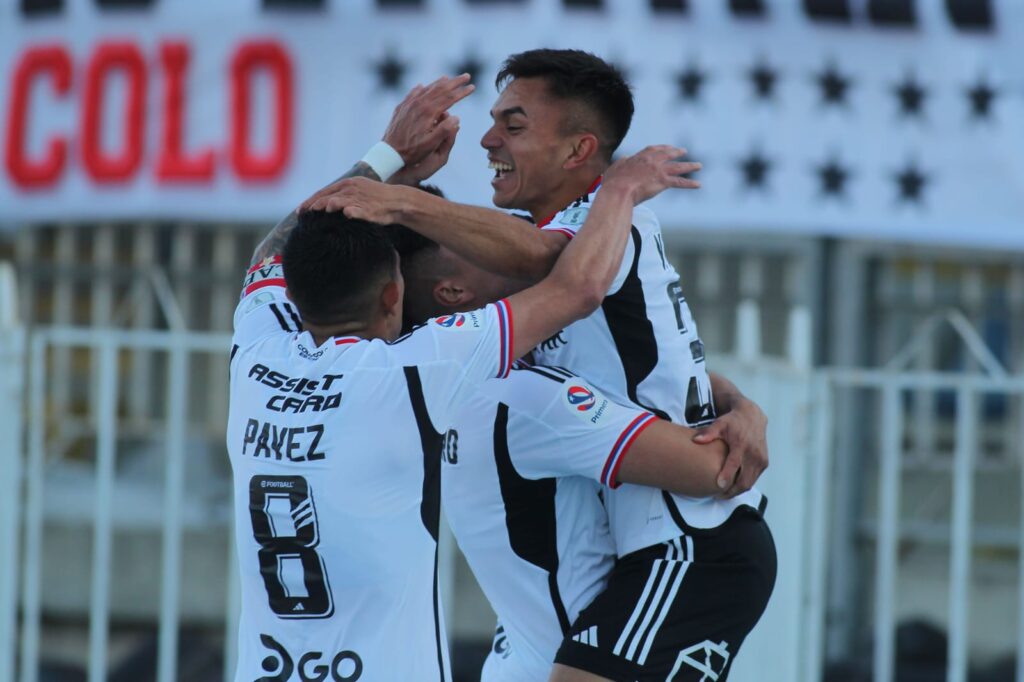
488 238
580 278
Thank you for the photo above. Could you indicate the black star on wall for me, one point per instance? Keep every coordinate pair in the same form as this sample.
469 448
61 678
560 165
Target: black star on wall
470 65
834 86
755 169
690 82
911 183
390 72
982 96
833 177
763 78
911 96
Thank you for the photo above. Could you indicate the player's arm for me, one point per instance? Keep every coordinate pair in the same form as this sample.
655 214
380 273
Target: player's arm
665 456
418 139
744 426
490 239
583 272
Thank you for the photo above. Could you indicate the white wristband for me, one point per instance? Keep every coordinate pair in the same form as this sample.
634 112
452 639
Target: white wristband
384 160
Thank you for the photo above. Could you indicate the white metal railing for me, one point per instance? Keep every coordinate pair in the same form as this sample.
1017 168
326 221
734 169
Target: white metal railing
801 402
892 386
12 351
107 345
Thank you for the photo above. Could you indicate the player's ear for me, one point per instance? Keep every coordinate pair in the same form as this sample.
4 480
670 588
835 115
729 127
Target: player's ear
451 293
583 150
391 298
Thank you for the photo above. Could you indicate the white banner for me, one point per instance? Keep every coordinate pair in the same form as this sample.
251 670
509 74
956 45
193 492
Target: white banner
861 118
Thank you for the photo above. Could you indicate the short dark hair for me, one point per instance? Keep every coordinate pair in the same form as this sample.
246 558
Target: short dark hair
333 266
409 243
582 77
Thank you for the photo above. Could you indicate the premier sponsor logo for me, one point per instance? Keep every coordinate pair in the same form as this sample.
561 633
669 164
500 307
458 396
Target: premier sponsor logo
585 403
457 322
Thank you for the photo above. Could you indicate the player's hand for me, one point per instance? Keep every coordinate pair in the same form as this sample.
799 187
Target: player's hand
434 161
651 171
361 198
415 130
744 429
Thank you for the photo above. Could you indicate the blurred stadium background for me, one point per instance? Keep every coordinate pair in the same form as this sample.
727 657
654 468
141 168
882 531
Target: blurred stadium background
855 261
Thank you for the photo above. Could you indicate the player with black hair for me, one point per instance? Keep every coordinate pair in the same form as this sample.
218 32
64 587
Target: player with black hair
332 427
559 116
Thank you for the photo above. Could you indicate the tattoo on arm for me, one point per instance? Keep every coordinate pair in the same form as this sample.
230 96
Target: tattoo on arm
273 243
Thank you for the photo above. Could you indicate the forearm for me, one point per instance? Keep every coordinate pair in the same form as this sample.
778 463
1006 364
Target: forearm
581 277
273 243
664 456
490 239
590 262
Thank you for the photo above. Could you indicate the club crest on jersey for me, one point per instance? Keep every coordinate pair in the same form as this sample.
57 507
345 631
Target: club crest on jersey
585 403
573 216
257 300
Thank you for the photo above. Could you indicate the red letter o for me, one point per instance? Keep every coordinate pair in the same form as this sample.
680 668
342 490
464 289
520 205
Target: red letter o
250 57
101 165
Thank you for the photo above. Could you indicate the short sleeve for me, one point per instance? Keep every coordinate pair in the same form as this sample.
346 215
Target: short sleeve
458 352
561 425
263 307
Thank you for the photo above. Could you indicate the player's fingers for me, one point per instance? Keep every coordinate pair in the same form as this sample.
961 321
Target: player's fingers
354 211
683 167
727 475
684 183
332 205
744 481
665 151
713 431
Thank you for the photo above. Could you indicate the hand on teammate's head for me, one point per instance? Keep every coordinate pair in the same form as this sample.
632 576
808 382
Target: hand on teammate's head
651 171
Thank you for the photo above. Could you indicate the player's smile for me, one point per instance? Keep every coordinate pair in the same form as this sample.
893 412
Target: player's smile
502 173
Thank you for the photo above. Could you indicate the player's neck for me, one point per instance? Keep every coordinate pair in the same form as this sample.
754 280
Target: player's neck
569 192
376 329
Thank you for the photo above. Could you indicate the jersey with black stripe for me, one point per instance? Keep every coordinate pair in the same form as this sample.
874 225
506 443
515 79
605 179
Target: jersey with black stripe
335 451
642 346
523 474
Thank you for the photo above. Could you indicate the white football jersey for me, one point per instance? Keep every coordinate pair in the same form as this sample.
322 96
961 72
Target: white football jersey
641 346
522 473
336 464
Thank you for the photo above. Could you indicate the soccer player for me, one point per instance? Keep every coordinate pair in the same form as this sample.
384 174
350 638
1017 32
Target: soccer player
694 575
332 420
525 467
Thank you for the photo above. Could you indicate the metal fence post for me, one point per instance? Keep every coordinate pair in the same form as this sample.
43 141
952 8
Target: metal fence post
12 363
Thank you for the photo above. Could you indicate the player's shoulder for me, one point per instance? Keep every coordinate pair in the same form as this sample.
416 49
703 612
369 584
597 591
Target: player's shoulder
645 220
531 390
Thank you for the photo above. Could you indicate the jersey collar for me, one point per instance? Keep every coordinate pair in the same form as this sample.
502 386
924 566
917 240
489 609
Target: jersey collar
593 188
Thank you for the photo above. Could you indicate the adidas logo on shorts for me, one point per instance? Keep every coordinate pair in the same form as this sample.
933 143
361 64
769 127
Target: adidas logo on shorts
588 636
